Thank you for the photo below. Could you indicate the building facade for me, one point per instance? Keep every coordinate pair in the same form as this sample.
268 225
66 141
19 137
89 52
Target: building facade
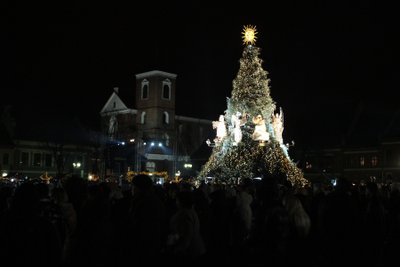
32 149
380 163
151 137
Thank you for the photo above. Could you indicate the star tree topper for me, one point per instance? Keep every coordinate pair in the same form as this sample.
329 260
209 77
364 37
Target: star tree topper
249 35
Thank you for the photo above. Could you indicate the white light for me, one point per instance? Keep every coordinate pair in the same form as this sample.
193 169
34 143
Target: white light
4 174
90 177
187 166
257 178
152 143
159 144
144 143
76 164
178 173
12 180
123 143
132 140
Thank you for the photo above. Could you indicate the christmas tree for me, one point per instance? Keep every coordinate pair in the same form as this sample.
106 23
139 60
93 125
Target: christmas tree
249 141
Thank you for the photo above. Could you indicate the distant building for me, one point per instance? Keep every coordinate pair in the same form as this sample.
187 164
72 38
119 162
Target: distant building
380 163
368 148
31 147
152 137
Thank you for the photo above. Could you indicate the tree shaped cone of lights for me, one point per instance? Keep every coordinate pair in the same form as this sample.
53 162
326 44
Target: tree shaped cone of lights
252 146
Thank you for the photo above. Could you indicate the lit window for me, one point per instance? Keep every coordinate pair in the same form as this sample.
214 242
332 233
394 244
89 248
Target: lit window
362 161
150 166
165 117
143 117
374 161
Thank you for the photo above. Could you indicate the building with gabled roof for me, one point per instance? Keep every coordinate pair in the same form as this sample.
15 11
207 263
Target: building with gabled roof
151 136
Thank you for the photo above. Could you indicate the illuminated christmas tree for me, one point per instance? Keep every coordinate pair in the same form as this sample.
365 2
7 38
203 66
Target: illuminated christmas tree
249 141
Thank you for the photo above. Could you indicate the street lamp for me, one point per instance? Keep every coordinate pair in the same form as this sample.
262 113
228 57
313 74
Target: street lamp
76 165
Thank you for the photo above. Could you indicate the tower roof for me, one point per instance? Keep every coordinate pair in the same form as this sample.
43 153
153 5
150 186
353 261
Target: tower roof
155 73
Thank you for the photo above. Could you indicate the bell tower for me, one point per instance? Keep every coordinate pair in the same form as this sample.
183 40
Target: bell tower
155 120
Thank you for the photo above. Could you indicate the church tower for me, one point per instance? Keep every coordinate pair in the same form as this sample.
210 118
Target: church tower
155 120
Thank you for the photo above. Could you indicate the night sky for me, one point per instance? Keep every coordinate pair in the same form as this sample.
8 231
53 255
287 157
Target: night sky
323 58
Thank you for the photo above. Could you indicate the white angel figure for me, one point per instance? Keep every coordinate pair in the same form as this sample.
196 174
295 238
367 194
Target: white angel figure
277 124
260 131
221 128
237 132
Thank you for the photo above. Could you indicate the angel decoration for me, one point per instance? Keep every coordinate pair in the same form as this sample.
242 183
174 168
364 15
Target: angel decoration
221 129
237 132
277 124
260 130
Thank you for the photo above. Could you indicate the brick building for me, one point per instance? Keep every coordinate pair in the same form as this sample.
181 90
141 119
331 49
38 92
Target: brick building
151 136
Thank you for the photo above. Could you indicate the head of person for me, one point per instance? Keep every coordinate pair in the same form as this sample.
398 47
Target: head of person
184 199
141 183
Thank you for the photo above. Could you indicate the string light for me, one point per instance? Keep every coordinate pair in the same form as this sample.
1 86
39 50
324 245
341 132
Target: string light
231 162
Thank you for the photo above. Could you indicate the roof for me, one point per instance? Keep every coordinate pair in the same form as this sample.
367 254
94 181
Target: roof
155 73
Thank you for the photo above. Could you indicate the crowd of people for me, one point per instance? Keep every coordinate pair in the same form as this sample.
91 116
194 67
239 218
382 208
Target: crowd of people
254 223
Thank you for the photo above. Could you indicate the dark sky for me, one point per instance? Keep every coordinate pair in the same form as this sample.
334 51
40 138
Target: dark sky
64 58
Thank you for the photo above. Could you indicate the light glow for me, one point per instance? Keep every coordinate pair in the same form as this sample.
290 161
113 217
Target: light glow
249 35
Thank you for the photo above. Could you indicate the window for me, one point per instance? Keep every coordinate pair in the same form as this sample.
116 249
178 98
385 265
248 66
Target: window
37 160
114 105
150 166
143 117
6 159
166 139
113 126
48 160
362 161
166 89
374 161
390 158
145 89
165 117
24 161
